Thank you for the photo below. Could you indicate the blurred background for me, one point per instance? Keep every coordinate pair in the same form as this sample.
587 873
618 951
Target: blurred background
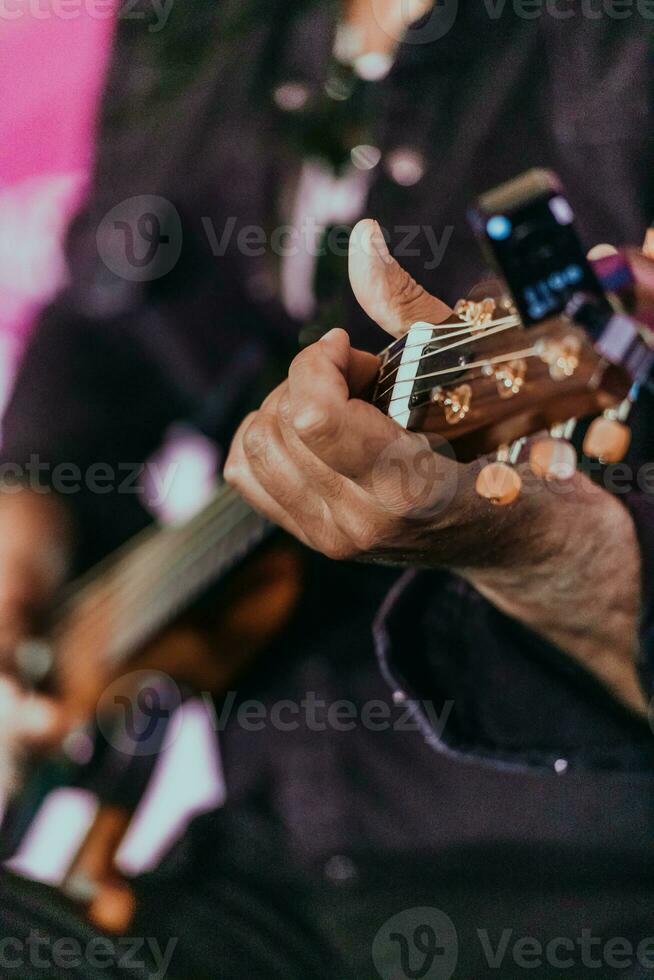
47 125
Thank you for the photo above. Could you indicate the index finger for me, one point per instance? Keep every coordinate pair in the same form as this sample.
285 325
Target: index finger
345 433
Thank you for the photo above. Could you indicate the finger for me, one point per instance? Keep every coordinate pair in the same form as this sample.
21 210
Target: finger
290 484
238 473
385 291
346 435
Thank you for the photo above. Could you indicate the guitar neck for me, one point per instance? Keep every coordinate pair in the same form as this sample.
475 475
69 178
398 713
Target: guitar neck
142 588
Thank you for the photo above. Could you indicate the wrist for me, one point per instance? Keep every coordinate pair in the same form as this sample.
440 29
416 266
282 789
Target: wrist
569 568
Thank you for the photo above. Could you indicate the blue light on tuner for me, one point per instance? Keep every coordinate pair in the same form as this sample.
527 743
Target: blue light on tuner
499 228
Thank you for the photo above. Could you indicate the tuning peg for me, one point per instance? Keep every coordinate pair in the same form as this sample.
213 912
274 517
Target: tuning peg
553 459
607 440
476 313
499 483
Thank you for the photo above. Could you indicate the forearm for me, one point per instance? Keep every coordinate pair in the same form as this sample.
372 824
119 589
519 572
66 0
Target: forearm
564 560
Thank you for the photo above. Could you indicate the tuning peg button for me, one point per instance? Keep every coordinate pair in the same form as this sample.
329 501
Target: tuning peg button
498 483
553 459
607 440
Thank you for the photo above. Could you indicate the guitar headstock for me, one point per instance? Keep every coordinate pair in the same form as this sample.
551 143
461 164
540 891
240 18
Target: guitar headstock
484 382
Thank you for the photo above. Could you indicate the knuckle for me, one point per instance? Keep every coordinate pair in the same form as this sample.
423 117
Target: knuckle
338 550
231 472
256 439
315 423
284 410
364 536
408 291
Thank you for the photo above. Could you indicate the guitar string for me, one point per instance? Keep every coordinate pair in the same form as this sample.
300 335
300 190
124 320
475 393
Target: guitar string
514 355
129 638
140 550
434 353
467 329
498 327
164 542
444 350
138 597
107 581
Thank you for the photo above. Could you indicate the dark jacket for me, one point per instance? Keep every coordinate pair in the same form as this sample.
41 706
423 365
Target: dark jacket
190 116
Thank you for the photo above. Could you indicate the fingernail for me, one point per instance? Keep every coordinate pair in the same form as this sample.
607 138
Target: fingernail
378 242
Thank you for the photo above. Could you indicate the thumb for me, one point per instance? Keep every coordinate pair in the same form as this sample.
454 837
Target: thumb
385 290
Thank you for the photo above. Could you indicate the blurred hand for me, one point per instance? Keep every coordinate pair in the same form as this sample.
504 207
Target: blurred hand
35 535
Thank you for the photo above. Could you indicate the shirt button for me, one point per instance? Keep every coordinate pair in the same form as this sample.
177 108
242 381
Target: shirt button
406 166
561 766
340 869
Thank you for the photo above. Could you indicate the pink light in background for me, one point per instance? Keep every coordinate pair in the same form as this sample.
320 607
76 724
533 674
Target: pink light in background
51 74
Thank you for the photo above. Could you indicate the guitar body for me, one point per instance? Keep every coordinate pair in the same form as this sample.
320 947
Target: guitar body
204 651
209 646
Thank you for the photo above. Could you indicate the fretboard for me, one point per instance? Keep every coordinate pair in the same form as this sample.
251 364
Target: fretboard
158 575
